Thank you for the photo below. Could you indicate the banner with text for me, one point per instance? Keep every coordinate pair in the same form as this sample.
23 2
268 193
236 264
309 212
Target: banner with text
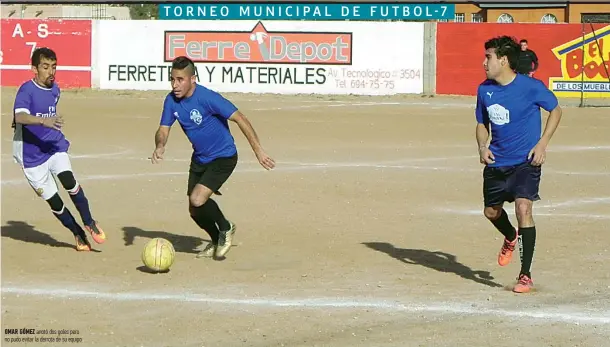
265 57
568 62
70 39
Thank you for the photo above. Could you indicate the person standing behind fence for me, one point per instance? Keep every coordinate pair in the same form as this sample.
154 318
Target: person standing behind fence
528 60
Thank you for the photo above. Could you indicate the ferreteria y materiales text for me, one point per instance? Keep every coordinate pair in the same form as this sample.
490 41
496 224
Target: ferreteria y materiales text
222 74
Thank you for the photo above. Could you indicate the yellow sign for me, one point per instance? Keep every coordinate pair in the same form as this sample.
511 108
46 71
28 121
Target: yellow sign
591 78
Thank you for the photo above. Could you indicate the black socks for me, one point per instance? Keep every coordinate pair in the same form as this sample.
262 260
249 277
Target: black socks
199 217
527 243
504 226
212 211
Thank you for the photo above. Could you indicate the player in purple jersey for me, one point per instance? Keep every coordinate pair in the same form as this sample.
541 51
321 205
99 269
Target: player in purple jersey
41 148
508 105
203 115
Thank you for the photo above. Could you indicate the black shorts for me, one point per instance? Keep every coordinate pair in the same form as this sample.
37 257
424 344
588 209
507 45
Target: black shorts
505 184
212 175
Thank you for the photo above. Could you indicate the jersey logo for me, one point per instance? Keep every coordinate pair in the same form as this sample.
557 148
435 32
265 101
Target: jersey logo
196 116
176 115
490 94
498 114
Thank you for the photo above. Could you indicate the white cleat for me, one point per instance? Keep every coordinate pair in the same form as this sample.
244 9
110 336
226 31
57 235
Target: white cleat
207 252
225 241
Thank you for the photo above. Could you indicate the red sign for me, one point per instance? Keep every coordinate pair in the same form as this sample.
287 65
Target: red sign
460 52
70 39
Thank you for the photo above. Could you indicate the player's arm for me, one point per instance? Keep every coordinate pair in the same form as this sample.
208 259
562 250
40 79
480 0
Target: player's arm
22 114
547 100
161 136
162 133
248 130
482 132
482 129
225 109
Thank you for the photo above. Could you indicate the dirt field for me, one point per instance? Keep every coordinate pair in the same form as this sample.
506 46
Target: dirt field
369 232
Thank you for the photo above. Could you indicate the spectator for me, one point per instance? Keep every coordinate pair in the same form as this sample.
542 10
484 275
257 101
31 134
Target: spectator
528 61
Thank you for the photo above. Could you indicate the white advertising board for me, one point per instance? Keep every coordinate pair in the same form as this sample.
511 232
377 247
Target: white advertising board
286 57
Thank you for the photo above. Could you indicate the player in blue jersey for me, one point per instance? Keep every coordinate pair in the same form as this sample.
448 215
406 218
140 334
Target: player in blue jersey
41 148
203 115
509 105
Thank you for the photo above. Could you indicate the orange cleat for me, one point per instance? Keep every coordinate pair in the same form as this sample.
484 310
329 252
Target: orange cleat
96 232
524 284
506 252
82 245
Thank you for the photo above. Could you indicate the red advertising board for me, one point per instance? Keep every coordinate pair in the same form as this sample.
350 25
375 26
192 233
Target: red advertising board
460 53
70 39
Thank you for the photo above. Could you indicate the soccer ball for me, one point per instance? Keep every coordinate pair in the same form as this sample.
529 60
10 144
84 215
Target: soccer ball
158 255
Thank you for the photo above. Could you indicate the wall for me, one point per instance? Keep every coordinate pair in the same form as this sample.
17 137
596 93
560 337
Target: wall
460 54
71 40
527 15
267 57
361 58
576 10
468 10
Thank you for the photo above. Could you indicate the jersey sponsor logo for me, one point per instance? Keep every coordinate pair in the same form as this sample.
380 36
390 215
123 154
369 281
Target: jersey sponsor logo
498 114
196 116
49 114
260 46
585 63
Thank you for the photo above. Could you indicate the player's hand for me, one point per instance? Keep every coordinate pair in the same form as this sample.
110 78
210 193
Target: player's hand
537 155
53 122
266 161
485 156
157 155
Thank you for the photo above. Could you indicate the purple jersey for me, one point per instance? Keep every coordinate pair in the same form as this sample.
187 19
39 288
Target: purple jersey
35 144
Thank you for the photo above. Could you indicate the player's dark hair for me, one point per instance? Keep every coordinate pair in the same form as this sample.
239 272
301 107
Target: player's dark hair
523 41
182 62
43 52
505 46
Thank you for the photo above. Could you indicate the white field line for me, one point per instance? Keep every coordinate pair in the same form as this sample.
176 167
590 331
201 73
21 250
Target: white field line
549 315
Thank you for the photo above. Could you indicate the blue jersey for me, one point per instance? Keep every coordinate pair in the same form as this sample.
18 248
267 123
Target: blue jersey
514 113
34 144
204 119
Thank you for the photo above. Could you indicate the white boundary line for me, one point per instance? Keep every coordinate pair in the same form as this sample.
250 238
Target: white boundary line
545 314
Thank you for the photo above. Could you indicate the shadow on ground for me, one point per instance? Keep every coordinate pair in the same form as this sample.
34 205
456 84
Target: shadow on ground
439 261
181 243
24 232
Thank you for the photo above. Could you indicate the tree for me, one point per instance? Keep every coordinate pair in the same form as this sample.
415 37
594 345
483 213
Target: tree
143 11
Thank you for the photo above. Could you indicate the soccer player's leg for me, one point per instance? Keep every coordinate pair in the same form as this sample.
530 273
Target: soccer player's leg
41 180
526 192
494 195
216 174
61 167
197 213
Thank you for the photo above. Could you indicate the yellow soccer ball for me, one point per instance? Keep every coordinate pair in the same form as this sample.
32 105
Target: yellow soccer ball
158 255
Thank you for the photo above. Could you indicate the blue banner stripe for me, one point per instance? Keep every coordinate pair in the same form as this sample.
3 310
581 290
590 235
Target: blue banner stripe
287 11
